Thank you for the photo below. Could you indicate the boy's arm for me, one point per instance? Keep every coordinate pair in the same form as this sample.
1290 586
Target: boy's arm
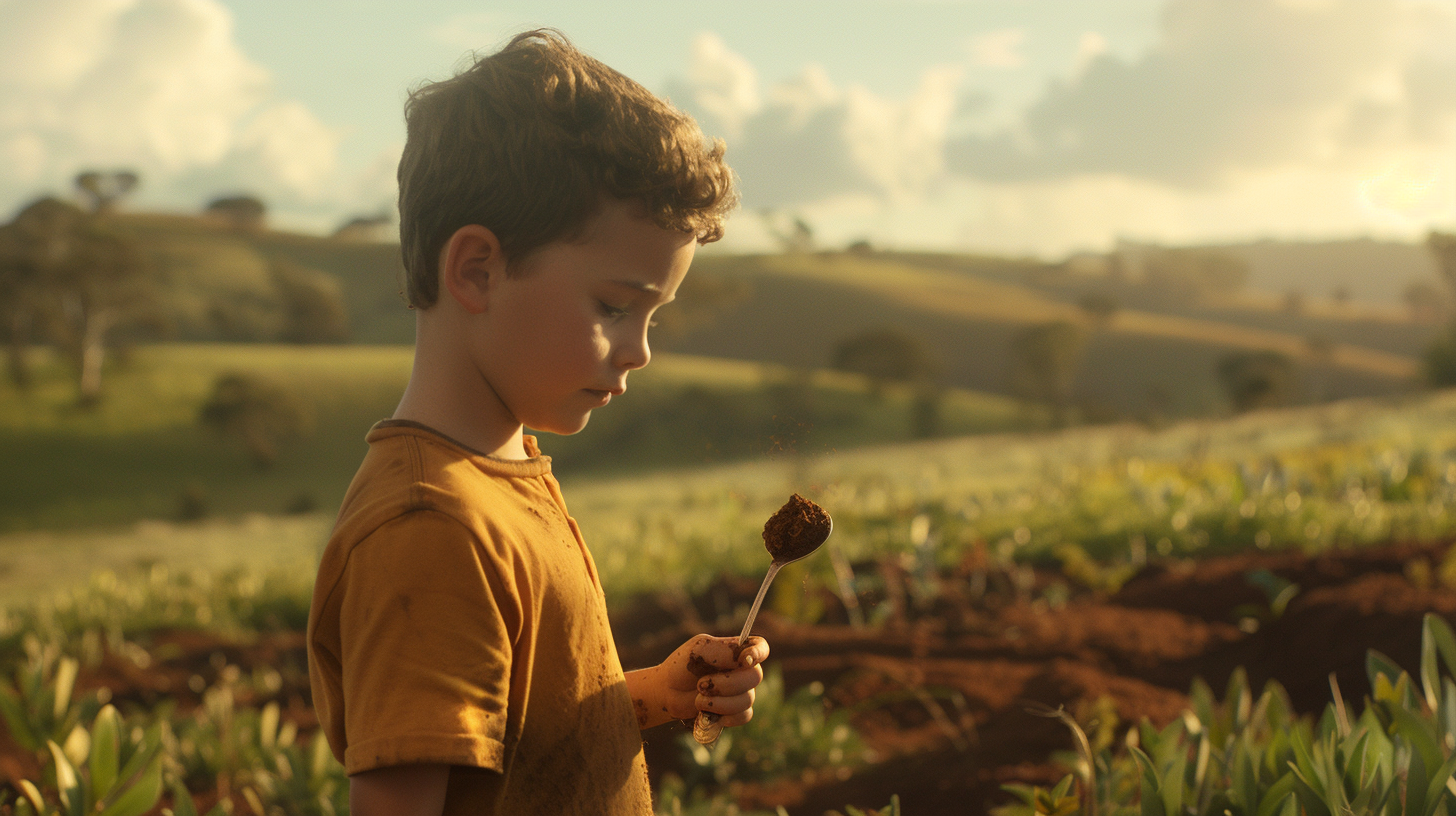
705 674
399 790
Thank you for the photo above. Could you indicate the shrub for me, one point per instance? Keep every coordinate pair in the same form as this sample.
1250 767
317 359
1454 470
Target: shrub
259 413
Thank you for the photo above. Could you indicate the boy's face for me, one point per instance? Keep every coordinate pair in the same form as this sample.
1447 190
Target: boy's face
561 332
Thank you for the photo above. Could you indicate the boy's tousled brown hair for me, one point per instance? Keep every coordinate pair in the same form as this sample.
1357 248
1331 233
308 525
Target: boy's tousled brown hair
527 142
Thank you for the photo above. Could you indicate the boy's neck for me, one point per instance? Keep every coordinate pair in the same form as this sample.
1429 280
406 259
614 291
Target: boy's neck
447 393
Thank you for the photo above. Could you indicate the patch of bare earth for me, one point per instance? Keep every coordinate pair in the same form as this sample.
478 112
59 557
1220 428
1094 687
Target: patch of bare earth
943 698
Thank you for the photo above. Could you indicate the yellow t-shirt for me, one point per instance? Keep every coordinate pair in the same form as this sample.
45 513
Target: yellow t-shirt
458 619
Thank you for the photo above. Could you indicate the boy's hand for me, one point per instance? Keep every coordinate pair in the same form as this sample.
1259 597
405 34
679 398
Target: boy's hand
705 674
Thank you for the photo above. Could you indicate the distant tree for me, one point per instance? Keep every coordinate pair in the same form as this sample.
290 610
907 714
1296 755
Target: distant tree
1045 358
365 228
1099 307
239 211
103 189
1425 301
1183 276
860 247
884 356
1341 295
23 297
797 236
1438 364
1443 247
260 414
313 303
1440 358
1256 379
78 278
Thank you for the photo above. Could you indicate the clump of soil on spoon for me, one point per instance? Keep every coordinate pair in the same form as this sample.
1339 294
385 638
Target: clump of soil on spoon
796 530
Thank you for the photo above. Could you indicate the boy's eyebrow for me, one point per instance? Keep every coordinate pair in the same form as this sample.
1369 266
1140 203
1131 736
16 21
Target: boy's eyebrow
642 286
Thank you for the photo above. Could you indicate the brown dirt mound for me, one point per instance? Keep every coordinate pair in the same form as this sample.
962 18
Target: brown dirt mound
1140 648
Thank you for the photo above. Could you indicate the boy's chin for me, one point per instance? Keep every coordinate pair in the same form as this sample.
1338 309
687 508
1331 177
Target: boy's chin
561 426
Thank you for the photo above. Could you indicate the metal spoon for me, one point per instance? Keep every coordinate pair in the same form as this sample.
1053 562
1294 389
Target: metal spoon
788 539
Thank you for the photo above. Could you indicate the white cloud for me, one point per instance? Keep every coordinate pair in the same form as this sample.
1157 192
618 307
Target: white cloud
722 84
999 49
157 86
1242 84
807 138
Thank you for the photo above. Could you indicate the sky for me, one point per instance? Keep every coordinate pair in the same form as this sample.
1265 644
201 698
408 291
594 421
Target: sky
1037 127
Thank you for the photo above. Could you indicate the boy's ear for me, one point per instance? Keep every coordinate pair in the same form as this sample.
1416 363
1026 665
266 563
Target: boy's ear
471 263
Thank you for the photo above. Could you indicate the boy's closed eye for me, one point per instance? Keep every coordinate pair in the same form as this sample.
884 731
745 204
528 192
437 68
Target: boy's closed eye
617 312
608 310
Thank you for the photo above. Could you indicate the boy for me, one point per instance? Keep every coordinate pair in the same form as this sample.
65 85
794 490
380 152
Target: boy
460 655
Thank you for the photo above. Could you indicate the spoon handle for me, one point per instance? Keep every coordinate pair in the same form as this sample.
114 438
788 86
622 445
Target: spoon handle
708 725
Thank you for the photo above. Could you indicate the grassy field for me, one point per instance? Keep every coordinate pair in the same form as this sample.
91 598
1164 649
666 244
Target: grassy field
142 450
1337 475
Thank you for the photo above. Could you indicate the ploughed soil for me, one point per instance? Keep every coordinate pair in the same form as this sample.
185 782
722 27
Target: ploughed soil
943 690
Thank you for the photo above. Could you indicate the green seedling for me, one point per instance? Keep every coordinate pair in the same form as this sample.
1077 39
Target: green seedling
101 771
40 706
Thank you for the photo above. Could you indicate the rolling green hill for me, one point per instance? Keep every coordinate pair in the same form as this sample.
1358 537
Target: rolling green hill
1146 359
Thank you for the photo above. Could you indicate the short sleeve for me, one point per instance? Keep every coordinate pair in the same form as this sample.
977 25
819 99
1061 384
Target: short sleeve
425 648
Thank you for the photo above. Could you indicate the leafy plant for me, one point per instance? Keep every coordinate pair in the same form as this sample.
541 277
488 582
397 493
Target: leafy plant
105 770
39 707
258 756
1254 757
787 736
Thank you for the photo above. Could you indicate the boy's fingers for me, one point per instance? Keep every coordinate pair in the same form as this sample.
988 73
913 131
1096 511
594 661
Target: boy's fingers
754 652
728 684
726 706
741 718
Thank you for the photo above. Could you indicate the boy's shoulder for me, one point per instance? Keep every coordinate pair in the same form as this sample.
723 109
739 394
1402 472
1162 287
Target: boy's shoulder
411 468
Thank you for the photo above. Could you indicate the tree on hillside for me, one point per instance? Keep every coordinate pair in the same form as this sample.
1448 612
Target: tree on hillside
1099 307
1184 276
1256 379
1439 362
884 356
1044 362
78 279
313 303
22 298
104 285
1443 247
103 190
260 414
795 236
239 211
1424 301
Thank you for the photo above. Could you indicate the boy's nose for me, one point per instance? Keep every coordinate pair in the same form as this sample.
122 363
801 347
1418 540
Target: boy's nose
633 354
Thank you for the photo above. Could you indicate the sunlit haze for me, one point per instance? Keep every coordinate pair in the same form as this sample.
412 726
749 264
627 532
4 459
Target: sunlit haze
1038 126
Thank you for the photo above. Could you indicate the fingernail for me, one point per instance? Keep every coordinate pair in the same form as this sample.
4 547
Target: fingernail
748 661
